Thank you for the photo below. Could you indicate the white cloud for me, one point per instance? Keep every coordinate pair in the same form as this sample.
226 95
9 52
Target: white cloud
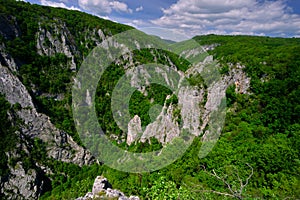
254 17
168 34
138 9
103 7
56 4
119 6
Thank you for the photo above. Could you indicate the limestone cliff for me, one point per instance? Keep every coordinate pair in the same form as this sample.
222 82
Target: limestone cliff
52 37
21 184
195 102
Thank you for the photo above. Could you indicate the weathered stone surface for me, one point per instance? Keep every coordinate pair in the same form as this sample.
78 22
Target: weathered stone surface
103 189
59 144
100 185
164 128
7 60
210 47
134 129
13 89
194 102
21 184
59 40
189 100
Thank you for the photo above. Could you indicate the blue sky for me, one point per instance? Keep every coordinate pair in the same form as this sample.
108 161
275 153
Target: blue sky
182 19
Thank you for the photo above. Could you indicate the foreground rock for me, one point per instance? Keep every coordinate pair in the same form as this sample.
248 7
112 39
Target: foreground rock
102 189
22 185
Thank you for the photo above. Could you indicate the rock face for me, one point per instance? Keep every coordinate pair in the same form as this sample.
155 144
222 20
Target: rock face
13 89
50 44
195 102
103 189
164 128
6 59
190 99
37 125
134 129
22 184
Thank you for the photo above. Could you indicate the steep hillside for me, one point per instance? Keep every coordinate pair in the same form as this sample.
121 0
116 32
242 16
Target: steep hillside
42 49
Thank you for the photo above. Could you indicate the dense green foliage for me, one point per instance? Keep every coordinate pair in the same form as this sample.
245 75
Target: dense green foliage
7 133
273 65
139 103
50 77
262 128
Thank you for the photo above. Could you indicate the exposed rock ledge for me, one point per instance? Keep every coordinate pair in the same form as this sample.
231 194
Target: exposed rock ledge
60 145
22 184
102 189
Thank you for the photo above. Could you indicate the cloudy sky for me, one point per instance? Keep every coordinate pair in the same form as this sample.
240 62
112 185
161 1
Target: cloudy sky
182 19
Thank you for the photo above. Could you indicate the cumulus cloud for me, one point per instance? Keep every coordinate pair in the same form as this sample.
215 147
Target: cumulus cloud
103 7
57 4
168 34
254 17
138 9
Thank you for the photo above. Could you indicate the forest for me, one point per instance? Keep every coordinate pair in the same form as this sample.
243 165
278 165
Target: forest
256 157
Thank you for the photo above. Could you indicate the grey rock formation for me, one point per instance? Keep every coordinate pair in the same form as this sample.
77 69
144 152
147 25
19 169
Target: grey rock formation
59 144
164 128
195 103
189 99
22 184
59 40
210 47
13 89
103 189
134 129
241 80
7 60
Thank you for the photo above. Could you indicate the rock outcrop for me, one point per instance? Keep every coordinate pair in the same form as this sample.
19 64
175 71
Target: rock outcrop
195 102
37 125
6 59
164 128
134 129
23 184
57 39
102 189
